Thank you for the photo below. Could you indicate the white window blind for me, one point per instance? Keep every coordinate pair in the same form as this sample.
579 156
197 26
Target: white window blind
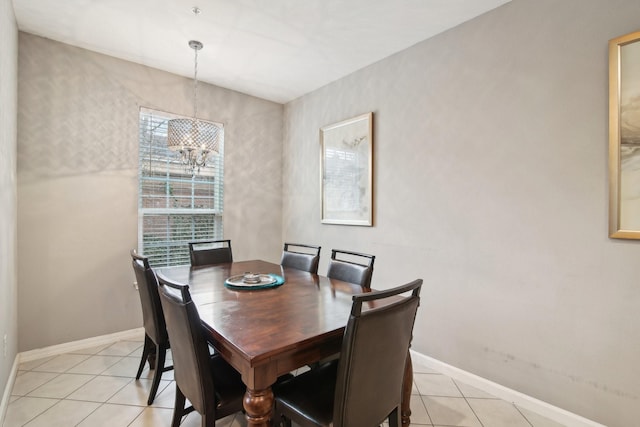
174 207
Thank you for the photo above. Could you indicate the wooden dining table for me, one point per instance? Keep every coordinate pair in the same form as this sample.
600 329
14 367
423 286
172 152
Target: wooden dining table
265 333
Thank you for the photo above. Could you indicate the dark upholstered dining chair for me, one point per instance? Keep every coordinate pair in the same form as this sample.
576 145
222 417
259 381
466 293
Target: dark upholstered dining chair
364 387
210 252
212 386
359 273
156 340
301 257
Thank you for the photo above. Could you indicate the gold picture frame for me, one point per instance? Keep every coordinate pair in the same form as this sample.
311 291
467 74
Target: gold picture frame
624 137
346 168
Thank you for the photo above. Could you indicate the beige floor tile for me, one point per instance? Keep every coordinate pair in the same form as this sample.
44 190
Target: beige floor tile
136 392
451 411
90 350
24 409
166 397
538 420
137 353
169 357
436 385
95 365
168 375
470 391
414 389
419 415
29 381
153 417
194 420
128 367
421 368
498 413
121 348
99 389
27 366
61 386
61 363
109 415
235 420
64 414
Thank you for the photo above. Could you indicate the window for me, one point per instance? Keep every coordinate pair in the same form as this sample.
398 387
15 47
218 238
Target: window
174 207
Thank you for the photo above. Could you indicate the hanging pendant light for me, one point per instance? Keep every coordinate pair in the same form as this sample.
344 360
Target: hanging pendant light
192 138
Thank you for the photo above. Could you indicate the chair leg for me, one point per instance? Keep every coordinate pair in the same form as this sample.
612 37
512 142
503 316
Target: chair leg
279 420
178 408
146 350
161 353
394 418
208 420
152 359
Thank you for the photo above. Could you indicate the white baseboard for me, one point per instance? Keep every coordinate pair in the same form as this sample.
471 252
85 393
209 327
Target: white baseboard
545 409
54 350
4 404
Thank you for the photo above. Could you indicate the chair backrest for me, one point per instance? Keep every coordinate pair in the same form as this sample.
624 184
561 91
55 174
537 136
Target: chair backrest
192 369
152 314
373 357
350 271
303 257
210 252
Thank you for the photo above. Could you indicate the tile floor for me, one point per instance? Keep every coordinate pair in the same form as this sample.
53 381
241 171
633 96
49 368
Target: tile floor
96 387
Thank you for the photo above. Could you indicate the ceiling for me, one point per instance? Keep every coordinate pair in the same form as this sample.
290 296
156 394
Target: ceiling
275 49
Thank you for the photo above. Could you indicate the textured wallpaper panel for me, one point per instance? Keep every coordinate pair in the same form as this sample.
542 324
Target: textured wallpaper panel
8 186
75 118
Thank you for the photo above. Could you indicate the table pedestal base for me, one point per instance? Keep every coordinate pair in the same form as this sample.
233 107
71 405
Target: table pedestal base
257 405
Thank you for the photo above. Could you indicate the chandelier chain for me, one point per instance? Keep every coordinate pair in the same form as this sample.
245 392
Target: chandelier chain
195 86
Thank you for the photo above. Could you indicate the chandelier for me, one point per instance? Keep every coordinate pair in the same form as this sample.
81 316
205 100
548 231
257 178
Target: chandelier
193 139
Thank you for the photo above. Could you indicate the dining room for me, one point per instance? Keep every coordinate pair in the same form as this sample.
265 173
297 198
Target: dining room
489 182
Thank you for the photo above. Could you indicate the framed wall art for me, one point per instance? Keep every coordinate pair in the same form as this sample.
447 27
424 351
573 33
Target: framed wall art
346 167
624 137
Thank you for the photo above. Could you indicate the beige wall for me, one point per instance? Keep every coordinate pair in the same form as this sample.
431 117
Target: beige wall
77 183
491 185
8 200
